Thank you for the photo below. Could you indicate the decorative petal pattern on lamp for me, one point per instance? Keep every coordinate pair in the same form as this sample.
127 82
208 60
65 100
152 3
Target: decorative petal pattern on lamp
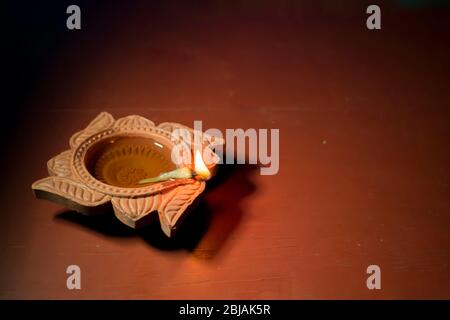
60 165
175 202
102 122
132 211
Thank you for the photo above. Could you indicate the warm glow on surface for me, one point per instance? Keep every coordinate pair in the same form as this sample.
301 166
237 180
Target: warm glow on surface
200 167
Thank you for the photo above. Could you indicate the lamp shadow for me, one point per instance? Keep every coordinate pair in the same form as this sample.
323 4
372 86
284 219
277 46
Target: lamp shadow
205 227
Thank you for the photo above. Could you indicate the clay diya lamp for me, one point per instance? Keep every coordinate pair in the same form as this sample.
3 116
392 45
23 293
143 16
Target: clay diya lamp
109 162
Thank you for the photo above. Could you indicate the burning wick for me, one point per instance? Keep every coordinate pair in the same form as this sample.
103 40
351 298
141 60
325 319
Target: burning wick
201 172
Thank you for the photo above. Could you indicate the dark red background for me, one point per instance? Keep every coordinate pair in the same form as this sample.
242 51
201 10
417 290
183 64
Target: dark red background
364 160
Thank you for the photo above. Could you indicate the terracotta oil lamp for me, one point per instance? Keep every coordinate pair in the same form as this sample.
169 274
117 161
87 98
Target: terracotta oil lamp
109 158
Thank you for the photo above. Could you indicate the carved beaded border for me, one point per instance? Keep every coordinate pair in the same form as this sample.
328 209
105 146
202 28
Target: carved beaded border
84 175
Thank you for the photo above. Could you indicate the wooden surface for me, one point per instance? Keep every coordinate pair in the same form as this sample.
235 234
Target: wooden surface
364 152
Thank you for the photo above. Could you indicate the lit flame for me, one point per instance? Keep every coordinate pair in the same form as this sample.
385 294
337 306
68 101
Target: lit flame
200 167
